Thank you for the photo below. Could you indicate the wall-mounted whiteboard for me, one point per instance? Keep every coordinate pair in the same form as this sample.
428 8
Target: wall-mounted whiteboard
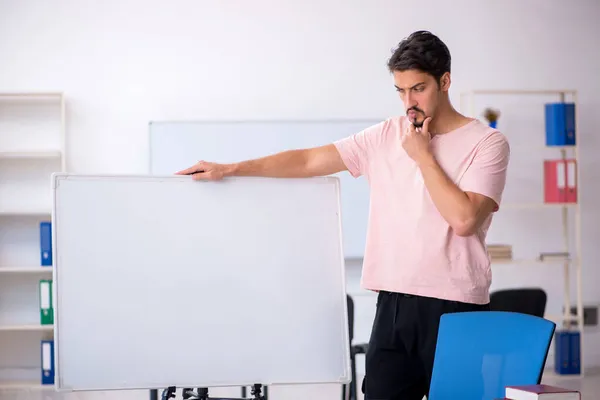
164 281
180 144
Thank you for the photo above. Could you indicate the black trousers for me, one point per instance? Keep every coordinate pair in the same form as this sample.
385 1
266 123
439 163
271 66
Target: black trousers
399 360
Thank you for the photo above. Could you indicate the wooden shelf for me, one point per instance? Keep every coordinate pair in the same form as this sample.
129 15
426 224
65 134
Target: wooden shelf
33 129
33 95
26 270
26 327
41 155
561 318
530 261
24 385
562 147
25 213
570 213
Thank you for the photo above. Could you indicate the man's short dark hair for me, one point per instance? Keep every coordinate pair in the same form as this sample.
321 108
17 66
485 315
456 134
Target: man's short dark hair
423 51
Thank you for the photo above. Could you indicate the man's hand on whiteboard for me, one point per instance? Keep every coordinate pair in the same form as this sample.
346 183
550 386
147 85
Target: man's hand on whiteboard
204 170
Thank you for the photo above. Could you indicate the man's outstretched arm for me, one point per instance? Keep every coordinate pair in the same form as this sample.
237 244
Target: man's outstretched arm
301 163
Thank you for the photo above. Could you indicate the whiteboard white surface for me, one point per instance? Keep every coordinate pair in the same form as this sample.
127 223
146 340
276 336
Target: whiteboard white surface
164 281
179 144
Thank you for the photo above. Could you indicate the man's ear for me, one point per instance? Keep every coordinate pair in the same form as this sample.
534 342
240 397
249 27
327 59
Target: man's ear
445 82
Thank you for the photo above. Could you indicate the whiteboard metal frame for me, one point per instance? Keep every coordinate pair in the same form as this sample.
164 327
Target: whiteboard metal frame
55 180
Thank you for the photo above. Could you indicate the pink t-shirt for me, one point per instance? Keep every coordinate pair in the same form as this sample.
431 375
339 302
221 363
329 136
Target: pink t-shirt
410 247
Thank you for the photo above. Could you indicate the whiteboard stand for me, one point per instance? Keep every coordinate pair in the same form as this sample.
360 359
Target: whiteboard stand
258 391
202 394
265 390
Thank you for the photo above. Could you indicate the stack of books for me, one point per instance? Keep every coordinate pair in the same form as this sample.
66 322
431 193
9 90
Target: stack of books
500 252
540 392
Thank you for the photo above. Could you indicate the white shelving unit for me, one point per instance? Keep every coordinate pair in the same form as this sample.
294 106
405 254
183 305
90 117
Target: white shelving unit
32 147
571 240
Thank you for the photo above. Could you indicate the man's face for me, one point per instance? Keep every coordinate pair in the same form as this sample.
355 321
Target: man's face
420 94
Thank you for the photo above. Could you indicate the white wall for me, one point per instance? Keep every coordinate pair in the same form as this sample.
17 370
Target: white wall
122 64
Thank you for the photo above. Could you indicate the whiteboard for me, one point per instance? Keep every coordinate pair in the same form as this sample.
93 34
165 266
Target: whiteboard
165 281
175 145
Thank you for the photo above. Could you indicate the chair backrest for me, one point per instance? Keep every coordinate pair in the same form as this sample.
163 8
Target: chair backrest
479 353
530 301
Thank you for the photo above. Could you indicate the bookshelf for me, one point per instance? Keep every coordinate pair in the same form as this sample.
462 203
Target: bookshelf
527 116
32 147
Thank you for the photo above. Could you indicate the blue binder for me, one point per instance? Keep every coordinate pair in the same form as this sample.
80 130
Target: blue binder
567 354
46 243
47 362
560 124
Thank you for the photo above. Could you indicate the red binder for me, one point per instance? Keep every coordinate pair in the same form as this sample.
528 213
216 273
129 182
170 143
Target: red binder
555 177
560 181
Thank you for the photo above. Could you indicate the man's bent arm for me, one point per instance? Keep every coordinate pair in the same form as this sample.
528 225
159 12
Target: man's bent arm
464 211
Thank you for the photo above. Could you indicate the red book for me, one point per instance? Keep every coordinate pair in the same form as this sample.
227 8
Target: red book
541 392
555 177
571 195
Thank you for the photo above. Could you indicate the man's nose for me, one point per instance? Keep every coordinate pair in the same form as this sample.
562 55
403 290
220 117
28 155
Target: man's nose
410 101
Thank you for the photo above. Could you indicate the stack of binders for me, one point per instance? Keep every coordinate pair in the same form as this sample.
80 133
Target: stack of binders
560 186
560 175
567 352
46 305
47 318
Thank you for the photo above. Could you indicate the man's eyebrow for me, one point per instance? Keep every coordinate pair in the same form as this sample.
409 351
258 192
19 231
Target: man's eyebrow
414 86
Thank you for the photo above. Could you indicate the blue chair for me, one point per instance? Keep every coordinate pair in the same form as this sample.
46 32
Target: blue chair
479 353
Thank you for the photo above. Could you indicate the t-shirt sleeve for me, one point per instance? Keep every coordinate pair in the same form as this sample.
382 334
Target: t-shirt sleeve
357 149
487 173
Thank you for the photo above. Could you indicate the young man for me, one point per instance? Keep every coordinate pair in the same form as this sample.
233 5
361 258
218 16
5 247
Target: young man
436 178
